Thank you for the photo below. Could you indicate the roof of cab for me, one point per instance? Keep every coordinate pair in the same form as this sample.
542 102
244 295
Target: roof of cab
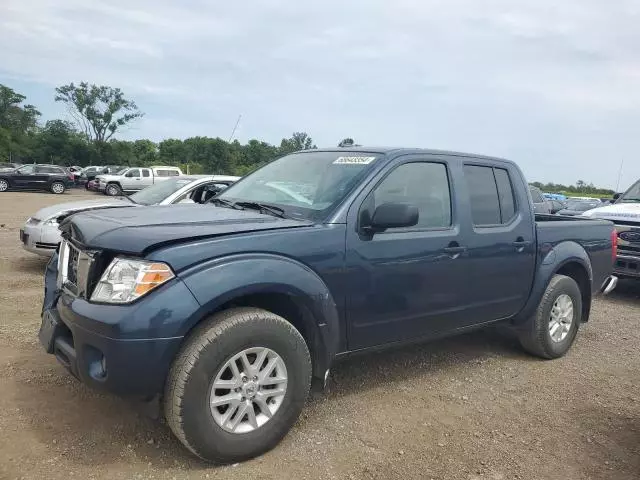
395 151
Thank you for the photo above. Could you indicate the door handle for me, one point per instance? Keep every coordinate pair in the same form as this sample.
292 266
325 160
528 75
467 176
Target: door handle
455 251
521 244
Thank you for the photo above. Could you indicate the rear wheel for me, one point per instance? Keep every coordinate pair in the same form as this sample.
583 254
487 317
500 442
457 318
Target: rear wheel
550 332
238 385
4 185
57 188
113 190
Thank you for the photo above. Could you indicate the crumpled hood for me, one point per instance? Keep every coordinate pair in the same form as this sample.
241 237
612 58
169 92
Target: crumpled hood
618 211
135 230
72 207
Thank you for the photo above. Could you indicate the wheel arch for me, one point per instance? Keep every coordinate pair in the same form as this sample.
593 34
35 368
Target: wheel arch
276 284
566 258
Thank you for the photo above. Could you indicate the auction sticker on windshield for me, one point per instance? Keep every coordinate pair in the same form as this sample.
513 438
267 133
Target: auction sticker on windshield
353 160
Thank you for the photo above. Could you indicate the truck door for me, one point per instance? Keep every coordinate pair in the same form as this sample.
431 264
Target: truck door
404 282
501 247
131 180
147 178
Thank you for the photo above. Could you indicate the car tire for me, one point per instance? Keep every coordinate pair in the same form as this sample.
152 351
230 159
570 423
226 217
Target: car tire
548 333
113 190
4 185
57 188
191 391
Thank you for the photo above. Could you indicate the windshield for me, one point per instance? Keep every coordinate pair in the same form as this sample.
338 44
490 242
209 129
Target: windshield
632 195
305 185
581 206
156 193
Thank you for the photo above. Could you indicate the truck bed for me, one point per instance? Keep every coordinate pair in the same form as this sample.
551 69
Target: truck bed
556 231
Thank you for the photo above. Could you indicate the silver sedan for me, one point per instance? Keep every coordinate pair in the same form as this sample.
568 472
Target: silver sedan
40 234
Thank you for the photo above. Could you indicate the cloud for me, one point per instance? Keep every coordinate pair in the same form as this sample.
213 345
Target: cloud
550 84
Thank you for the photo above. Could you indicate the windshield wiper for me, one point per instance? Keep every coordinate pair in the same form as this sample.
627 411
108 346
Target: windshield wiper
263 208
226 203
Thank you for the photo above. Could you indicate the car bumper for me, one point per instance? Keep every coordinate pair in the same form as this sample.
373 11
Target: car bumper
627 265
113 347
40 239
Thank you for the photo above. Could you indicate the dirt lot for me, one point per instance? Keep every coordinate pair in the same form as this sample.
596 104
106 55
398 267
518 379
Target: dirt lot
466 408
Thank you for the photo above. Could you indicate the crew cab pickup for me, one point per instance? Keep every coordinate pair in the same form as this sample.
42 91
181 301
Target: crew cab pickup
134 179
230 312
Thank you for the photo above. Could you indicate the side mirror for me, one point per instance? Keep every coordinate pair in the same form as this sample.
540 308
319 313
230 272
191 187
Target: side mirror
616 196
393 215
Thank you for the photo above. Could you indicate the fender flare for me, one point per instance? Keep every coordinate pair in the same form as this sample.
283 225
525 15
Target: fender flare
219 281
554 257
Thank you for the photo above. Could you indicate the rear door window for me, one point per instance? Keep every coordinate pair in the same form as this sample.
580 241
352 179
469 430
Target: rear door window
483 194
145 172
505 194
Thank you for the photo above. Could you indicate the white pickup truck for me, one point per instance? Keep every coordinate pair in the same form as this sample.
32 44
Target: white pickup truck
625 214
134 179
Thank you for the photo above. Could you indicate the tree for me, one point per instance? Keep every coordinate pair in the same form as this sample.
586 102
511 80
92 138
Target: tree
18 123
98 111
298 141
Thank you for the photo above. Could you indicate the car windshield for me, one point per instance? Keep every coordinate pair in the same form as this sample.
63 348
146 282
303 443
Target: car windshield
304 185
632 195
156 193
581 206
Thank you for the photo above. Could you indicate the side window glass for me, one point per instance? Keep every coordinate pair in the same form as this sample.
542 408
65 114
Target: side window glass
133 173
145 173
483 195
26 170
505 194
422 184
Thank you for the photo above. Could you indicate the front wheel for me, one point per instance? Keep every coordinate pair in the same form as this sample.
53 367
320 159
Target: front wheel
113 190
550 332
57 188
4 185
238 385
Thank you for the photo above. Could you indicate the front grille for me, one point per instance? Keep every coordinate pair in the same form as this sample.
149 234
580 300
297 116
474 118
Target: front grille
72 266
49 246
74 269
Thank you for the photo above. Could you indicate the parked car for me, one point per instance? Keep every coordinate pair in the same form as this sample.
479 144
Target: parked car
9 166
556 205
540 204
625 214
578 207
40 234
230 312
53 178
134 179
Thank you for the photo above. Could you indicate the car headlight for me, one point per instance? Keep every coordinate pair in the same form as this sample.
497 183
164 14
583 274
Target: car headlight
126 279
53 221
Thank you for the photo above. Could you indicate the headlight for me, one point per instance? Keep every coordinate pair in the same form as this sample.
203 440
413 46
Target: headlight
53 221
126 279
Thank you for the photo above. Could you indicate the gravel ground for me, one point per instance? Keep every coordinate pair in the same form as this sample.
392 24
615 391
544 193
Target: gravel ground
472 407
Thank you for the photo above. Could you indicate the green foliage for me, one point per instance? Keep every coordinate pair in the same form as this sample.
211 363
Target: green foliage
98 114
581 188
99 111
18 123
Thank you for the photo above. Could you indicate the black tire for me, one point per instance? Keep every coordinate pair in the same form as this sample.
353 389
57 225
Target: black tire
113 190
535 337
187 392
57 187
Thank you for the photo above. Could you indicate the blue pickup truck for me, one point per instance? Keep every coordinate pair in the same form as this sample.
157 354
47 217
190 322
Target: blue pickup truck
230 312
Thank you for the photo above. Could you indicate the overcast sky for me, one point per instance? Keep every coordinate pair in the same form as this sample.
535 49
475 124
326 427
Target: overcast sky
553 85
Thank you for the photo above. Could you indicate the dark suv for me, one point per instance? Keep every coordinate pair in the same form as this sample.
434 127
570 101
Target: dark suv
53 178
